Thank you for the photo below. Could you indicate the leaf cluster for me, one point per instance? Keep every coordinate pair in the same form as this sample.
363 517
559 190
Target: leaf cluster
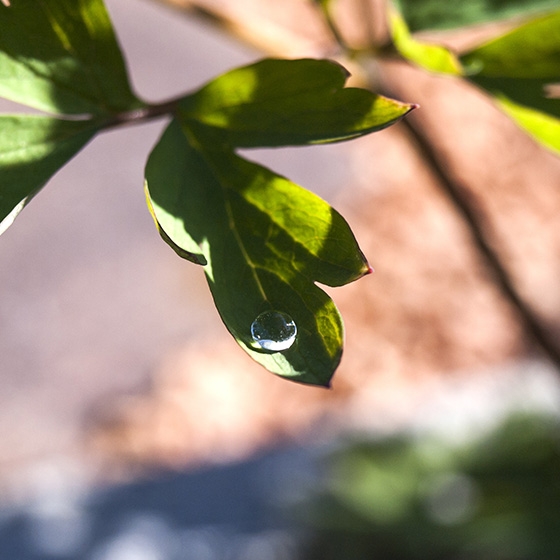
263 241
520 68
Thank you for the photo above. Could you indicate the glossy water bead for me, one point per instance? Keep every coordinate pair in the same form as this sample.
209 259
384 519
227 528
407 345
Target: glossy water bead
274 331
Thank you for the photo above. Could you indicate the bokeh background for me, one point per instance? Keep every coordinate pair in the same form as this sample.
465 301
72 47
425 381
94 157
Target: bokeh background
133 427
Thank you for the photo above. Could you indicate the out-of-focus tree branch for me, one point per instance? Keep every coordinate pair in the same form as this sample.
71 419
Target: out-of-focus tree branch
479 227
263 33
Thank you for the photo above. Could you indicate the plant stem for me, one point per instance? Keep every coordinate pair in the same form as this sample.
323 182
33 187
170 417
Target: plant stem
142 114
333 27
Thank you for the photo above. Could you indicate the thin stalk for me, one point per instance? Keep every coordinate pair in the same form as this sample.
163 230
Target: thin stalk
266 38
333 27
143 114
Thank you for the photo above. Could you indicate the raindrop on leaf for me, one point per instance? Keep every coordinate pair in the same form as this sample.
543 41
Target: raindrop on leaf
274 331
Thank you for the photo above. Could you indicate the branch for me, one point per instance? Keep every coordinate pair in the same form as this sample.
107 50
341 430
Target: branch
264 35
478 225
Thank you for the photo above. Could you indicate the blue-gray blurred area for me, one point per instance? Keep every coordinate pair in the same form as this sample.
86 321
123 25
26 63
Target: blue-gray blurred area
231 512
407 497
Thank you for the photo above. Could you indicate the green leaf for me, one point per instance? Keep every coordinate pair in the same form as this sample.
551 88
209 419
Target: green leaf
517 68
435 14
434 58
543 128
530 51
32 149
61 56
287 102
175 227
266 241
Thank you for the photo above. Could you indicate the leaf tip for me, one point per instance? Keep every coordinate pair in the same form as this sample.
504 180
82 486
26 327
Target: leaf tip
409 108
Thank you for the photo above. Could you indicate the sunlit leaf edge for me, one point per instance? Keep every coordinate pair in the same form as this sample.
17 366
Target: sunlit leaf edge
28 175
305 102
45 84
431 57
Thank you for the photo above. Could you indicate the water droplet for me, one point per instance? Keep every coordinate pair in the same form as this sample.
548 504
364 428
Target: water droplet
274 331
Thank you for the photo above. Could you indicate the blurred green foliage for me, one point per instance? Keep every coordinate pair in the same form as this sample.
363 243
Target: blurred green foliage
435 14
412 498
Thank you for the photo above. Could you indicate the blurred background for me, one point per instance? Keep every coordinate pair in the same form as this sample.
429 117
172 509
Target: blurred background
134 428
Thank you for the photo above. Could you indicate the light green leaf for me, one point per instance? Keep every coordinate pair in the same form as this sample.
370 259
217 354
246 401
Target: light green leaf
434 58
517 68
266 241
32 149
544 128
436 14
61 56
530 51
287 102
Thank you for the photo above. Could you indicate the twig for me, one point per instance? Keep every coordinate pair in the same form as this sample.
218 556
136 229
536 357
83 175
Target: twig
274 40
143 114
332 26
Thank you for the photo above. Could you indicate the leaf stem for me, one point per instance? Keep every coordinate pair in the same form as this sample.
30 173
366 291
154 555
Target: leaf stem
142 114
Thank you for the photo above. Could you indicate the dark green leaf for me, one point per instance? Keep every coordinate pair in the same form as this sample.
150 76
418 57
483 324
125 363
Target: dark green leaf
266 240
517 68
434 58
287 102
61 56
437 14
32 149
